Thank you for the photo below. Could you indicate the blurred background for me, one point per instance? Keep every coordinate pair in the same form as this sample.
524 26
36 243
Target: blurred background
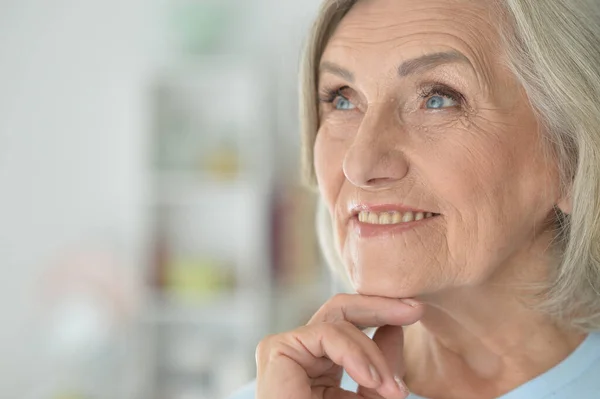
152 223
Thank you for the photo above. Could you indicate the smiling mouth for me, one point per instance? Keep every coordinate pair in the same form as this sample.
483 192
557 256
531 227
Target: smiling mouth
393 217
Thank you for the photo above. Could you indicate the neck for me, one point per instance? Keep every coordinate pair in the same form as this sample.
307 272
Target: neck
483 341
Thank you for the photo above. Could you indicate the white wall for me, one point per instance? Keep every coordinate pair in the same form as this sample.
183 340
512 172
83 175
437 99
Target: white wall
72 125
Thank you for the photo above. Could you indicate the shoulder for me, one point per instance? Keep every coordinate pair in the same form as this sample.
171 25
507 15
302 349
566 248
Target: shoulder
586 384
586 366
576 377
246 392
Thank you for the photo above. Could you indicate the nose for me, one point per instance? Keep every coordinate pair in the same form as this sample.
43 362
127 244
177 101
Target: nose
374 159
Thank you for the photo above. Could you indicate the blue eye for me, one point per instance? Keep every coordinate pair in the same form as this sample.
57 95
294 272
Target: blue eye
439 102
343 104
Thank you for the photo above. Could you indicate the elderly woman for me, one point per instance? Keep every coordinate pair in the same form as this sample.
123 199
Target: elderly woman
455 145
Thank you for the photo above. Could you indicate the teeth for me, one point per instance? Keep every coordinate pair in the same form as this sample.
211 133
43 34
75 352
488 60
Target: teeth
408 217
373 218
392 217
363 216
385 218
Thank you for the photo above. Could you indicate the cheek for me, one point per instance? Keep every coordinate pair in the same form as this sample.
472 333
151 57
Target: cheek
328 159
492 179
486 162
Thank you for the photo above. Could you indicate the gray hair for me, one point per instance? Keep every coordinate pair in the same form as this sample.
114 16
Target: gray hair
553 49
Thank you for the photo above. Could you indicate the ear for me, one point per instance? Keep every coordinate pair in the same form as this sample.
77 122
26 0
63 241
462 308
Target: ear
565 204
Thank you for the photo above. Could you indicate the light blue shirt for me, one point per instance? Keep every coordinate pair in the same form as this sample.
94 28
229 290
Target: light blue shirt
576 377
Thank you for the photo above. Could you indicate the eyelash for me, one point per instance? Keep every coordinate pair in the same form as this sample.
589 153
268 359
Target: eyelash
328 95
440 89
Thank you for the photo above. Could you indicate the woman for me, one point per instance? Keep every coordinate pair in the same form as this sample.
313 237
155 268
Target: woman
456 148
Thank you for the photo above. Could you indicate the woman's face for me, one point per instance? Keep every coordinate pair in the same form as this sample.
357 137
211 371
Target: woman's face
419 115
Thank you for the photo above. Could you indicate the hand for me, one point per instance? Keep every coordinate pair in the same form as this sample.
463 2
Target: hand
307 363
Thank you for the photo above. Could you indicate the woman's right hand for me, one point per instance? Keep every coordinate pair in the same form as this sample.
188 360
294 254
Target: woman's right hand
307 363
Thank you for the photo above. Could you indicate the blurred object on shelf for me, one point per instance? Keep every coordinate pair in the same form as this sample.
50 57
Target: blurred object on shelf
223 162
296 255
301 282
160 257
198 279
181 273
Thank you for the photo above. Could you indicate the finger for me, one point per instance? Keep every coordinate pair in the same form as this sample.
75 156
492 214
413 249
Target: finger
304 351
346 346
335 393
390 341
286 380
367 362
376 311
331 377
369 311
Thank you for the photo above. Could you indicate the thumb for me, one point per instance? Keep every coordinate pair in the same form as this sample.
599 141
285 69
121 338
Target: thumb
390 340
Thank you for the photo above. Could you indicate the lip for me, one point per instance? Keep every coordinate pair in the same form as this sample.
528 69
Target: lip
367 230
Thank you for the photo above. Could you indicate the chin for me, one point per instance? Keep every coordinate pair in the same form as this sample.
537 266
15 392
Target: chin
403 265
392 285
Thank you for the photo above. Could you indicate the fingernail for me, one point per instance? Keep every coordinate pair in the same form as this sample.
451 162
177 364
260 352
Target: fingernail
411 302
374 374
401 386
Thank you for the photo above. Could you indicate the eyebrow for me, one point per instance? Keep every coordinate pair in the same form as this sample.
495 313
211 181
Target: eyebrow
336 70
408 67
430 61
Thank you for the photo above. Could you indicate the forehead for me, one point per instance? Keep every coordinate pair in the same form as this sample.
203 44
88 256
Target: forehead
376 30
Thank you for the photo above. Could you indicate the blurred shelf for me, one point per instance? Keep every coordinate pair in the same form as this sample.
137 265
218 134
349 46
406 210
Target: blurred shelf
195 177
239 309
219 311
199 216
184 188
